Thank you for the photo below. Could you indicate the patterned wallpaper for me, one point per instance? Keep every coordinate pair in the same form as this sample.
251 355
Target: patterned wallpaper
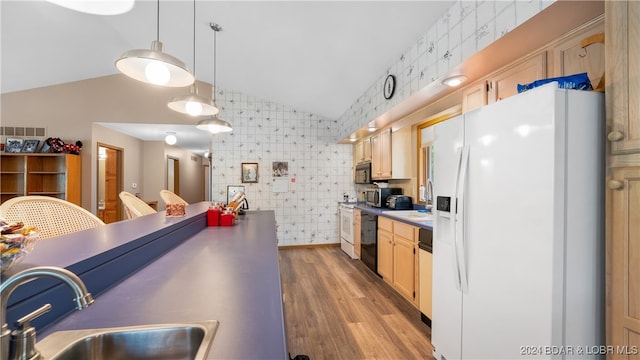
266 132
466 28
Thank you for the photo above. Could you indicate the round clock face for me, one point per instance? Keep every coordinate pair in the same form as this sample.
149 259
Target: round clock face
389 87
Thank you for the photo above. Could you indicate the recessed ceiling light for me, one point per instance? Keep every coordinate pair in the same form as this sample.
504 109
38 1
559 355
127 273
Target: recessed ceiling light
454 81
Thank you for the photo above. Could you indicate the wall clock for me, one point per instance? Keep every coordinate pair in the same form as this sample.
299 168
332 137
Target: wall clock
389 87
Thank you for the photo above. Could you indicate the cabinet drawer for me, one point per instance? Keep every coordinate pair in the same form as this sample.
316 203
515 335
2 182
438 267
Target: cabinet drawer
385 224
404 230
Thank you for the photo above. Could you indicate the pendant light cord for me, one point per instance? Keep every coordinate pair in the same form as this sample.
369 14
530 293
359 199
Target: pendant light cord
158 20
194 38
215 27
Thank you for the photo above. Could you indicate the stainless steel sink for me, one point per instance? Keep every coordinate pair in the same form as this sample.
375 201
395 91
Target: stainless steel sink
162 341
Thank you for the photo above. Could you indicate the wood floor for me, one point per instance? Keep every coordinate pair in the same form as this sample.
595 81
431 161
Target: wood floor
336 308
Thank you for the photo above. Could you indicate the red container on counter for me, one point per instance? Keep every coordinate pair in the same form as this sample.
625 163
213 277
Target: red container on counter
226 219
213 217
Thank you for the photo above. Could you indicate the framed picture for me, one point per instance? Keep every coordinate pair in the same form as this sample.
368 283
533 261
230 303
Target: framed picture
30 146
13 145
249 172
280 168
45 147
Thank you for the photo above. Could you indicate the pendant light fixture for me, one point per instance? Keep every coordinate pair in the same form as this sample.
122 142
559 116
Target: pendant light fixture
213 124
193 104
154 66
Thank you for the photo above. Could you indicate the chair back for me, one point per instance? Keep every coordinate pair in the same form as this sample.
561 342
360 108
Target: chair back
170 197
134 206
51 216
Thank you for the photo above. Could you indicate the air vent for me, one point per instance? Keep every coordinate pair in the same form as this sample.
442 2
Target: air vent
194 158
23 131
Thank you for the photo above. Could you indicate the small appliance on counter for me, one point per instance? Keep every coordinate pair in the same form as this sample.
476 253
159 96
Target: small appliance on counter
399 202
377 197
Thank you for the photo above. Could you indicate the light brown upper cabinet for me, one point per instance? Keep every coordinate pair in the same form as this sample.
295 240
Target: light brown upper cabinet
381 155
475 96
569 57
362 151
505 83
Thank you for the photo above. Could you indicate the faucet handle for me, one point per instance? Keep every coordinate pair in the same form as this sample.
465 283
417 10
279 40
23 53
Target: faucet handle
23 338
23 322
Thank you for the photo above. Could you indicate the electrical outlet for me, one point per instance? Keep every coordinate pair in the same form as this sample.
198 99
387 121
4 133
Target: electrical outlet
134 186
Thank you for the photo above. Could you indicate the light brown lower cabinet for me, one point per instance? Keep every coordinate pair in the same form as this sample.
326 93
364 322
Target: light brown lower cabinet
397 259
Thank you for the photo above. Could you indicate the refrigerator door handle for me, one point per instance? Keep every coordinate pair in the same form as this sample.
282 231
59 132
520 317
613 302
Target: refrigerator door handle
453 221
460 238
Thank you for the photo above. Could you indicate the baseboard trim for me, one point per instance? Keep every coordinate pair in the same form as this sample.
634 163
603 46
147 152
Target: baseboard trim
307 246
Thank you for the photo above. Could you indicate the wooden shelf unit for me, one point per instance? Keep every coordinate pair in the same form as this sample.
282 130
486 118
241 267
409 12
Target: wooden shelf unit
57 175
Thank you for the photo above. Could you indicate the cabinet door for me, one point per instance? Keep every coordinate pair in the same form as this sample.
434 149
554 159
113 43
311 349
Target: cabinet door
623 75
404 267
426 283
386 154
376 157
570 58
505 84
357 153
624 235
366 150
385 255
474 96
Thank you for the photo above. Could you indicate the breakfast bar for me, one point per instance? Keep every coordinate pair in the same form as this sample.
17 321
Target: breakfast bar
198 273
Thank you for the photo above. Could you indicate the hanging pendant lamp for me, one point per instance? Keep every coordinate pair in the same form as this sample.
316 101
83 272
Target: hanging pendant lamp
154 66
193 104
213 124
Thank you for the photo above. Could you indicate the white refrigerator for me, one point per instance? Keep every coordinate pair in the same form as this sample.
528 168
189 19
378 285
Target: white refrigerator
518 250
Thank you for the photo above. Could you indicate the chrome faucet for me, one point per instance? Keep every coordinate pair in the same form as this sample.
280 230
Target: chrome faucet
20 343
429 194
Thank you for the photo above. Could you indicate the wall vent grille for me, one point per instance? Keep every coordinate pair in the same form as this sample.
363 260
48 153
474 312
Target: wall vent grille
23 131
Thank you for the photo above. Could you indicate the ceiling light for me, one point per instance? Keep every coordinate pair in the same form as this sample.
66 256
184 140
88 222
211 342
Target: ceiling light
154 66
171 138
193 104
352 139
372 127
454 81
97 7
213 124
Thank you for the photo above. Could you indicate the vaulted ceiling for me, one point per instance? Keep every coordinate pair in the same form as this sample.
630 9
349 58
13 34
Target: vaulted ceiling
316 56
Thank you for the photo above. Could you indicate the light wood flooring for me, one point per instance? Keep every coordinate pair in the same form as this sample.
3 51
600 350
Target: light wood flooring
336 308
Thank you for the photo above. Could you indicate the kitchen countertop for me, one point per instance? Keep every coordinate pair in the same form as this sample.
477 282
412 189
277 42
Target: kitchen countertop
424 224
228 274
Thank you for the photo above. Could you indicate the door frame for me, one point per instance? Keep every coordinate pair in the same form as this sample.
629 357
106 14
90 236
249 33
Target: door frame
119 176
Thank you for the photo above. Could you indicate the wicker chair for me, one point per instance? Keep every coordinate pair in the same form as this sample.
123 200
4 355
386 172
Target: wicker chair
134 206
51 216
171 198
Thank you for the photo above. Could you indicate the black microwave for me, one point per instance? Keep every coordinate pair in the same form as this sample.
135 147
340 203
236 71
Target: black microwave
363 173
377 197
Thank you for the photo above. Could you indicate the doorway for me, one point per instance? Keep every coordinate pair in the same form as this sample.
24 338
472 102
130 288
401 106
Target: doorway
173 175
110 182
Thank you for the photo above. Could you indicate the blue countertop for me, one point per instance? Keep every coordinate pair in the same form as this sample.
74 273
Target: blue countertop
228 274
